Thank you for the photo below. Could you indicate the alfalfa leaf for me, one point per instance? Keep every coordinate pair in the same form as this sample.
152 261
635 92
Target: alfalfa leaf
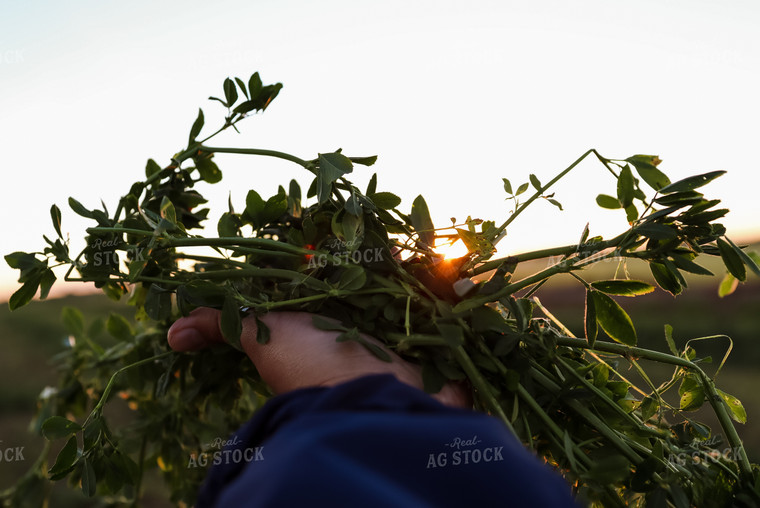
623 287
613 319
421 221
691 183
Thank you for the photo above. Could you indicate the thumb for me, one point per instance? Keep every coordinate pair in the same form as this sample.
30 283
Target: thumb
197 331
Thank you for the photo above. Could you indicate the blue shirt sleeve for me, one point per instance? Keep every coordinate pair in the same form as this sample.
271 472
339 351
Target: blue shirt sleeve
376 442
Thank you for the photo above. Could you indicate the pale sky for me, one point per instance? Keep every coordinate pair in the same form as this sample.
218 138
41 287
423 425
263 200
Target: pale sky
451 99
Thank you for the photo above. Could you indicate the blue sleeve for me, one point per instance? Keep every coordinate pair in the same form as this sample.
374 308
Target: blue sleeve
376 442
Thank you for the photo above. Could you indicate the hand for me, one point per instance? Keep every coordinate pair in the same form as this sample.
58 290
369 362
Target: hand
299 355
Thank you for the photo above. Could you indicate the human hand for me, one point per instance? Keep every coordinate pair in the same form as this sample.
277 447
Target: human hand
299 355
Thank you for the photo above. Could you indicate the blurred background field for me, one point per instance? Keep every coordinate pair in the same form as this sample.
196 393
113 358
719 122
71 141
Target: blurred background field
32 335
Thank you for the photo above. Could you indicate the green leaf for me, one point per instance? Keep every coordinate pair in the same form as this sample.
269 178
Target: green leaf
55 215
613 319
195 130
119 327
535 182
522 188
656 231
230 92
274 207
350 229
665 278
623 287
241 85
89 481
452 334
648 408
625 187
385 200
353 278
229 225
66 458
590 324
167 210
331 167
372 186
73 321
489 319
692 394
732 260
686 197
748 259
728 285
254 208
423 224
608 202
263 333
208 169
231 324
46 282
245 107
735 406
21 260
57 427
158 303
79 209
555 203
322 323
670 341
352 205
25 293
631 213
364 161
377 351
254 85
151 167
692 182
646 168
683 263
507 186
93 432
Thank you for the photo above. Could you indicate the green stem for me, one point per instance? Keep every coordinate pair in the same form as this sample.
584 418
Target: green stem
585 250
335 293
260 151
471 303
232 241
103 398
711 394
481 385
599 425
539 193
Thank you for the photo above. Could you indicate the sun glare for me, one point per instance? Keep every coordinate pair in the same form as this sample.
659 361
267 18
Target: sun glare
449 249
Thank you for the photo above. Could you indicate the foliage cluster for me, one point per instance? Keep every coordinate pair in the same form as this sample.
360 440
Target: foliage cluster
356 256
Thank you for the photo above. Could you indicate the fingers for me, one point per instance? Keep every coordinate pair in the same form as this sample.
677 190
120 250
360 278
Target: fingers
197 331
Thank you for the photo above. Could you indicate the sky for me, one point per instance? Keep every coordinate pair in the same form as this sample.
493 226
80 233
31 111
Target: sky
452 97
